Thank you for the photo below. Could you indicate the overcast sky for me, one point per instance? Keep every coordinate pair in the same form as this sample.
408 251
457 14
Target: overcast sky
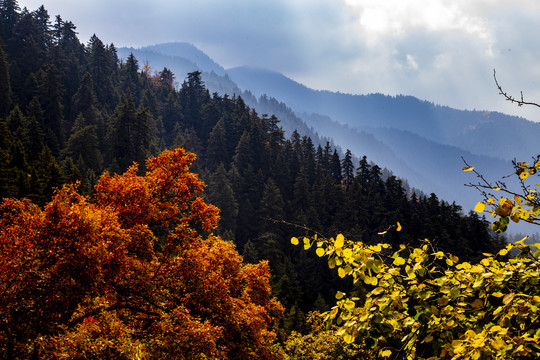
441 51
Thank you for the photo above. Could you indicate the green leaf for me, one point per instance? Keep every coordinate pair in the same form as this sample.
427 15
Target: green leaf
454 293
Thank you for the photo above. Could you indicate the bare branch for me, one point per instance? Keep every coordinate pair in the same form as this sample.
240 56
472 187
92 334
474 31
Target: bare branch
510 98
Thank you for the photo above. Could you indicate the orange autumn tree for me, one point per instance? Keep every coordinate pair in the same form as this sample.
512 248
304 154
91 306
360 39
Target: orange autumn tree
134 274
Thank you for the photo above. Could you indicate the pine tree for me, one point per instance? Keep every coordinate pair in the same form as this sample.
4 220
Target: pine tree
51 93
221 194
102 66
84 143
130 78
120 135
5 85
9 16
348 169
49 177
216 151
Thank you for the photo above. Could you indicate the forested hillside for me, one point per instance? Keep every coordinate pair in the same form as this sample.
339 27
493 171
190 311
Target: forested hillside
70 111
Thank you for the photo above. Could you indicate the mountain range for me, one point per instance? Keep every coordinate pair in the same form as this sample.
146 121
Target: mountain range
419 141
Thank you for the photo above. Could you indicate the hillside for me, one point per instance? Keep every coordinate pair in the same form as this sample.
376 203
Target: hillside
432 139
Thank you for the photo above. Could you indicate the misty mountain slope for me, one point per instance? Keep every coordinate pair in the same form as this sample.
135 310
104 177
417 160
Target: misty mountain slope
481 132
181 58
189 52
417 140
443 164
158 61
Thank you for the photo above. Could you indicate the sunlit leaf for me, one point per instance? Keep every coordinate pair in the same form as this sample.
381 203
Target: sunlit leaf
340 239
398 228
470 168
295 241
480 207
386 353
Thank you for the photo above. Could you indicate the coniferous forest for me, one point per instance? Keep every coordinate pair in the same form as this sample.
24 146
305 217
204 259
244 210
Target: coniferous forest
71 111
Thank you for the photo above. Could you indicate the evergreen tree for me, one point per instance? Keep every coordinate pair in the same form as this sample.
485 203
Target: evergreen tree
9 16
120 135
5 85
84 143
216 151
130 78
335 167
51 93
348 169
32 134
221 194
102 66
49 176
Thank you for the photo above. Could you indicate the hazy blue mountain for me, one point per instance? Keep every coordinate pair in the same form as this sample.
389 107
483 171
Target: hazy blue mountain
189 52
180 58
481 132
417 140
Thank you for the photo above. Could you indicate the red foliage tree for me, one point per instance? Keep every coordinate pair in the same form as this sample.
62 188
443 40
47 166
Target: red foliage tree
133 274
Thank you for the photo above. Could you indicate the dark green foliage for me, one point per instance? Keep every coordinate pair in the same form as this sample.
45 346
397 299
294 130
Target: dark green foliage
5 85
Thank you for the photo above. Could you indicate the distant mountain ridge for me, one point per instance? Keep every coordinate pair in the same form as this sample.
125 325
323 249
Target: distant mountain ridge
418 140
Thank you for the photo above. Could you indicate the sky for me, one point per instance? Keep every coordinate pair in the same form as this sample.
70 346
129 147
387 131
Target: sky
437 50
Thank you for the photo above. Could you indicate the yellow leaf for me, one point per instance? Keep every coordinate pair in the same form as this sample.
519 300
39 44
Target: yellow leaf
341 272
508 298
498 344
491 201
376 248
518 199
294 241
320 252
523 175
470 168
348 338
340 240
398 229
497 188
399 261
480 207
386 353
339 295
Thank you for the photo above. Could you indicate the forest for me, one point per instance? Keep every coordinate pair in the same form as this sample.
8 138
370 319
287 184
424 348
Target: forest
142 219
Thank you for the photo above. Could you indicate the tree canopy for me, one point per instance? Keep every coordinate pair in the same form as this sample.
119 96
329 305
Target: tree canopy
133 274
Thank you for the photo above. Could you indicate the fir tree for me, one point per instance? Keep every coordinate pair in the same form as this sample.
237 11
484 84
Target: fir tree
5 85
